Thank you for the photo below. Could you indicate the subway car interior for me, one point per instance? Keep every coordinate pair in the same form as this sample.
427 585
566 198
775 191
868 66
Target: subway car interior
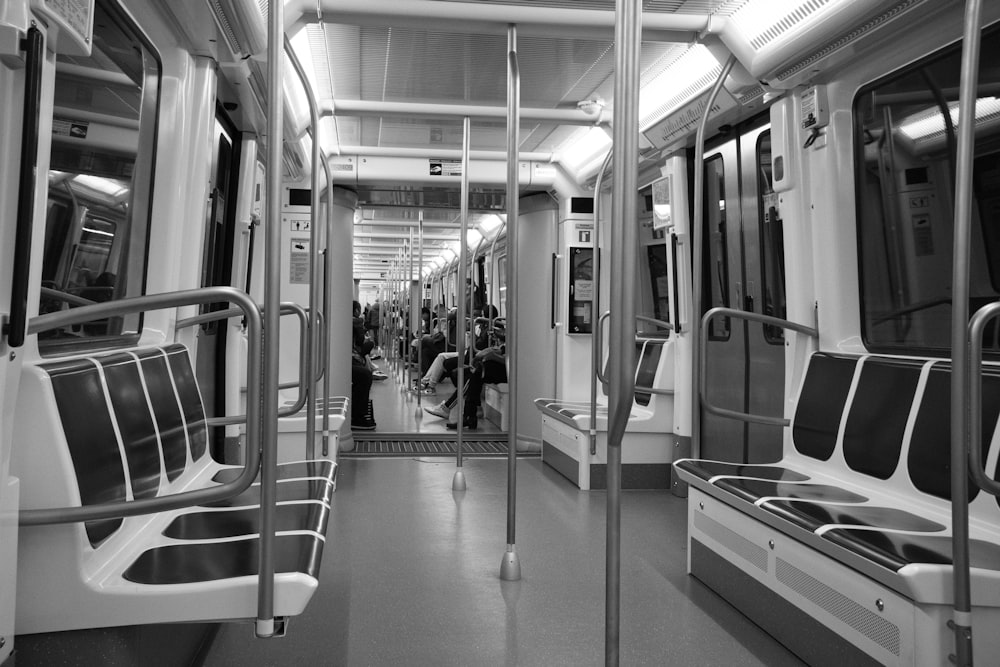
672 333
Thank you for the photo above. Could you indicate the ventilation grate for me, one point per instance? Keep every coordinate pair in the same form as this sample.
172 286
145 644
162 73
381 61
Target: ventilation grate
868 623
786 23
832 47
750 552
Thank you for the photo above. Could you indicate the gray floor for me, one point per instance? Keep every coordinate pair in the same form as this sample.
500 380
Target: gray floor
410 577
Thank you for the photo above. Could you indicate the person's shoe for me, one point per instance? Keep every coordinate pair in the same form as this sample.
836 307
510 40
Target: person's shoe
427 388
366 424
439 410
469 423
378 376
374 356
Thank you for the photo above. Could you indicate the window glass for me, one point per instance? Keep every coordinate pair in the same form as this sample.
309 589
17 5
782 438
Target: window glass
716 281
905 142
772 251
103 130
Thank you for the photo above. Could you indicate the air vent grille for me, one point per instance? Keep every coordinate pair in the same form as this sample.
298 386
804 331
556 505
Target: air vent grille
753 554
865 621
787 22
832 47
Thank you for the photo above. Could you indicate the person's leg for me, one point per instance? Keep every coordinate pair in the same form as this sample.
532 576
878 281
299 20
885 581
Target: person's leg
443 410
361 384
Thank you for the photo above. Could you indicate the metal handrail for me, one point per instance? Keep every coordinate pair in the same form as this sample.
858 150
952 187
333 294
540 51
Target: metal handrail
652 320
34 62
703 361
38 517
71 299
286 308
599 344
961 622
976 327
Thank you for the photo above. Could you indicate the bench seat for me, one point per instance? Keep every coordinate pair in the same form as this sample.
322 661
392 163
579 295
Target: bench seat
862 497
646 451
128 425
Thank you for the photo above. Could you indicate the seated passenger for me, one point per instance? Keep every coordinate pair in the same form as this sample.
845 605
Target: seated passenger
488 366
361 377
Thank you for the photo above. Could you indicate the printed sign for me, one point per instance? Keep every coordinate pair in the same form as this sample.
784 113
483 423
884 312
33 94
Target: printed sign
298 261
444 167
77 129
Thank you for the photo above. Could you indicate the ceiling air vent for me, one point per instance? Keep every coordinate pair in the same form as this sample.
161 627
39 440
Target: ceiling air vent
242 24
830 48
786 23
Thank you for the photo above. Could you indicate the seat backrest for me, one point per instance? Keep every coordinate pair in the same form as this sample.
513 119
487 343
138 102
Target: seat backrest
133 421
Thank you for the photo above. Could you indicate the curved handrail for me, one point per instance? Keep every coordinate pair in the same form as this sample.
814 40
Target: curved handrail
38 517
599 344
703 361
286 308
652 320
66 297
976 327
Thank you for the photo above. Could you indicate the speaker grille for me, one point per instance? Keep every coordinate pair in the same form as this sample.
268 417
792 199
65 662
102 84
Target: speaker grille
868 623
733 541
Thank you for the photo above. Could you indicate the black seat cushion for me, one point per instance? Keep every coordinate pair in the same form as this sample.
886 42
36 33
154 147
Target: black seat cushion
190 399
896 550
709 469
135 422
90 435
811 516
821 404
211 561
929 458
873 435
648 361
166 410
752 490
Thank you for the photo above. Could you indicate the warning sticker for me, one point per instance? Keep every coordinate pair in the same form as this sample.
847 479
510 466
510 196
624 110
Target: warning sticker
298 261
444 167
70 128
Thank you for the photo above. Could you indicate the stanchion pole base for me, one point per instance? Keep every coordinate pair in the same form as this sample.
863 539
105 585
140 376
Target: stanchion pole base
510 566
458 482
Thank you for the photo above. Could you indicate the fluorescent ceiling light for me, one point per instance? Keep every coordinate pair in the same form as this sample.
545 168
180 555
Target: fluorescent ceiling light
930 122
688 76
489 224
584 147
473 238
105 186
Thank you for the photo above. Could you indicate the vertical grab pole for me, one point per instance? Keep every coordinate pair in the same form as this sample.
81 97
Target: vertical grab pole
409 301
272 313
458 483
595 337
628 40
327 308
961 622
311 353
510 565
420 276
697 236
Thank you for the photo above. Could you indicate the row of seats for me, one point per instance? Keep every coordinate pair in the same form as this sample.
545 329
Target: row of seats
131 425
863 494
646 454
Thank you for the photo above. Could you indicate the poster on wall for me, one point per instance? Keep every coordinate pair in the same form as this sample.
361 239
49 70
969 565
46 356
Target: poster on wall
298 261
